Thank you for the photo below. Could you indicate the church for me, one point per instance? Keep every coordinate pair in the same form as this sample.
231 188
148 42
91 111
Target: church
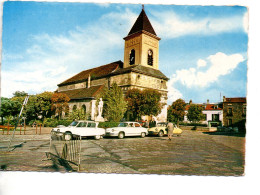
140 69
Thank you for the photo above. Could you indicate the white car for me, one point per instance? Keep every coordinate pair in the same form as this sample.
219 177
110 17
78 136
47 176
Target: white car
81 128
127 129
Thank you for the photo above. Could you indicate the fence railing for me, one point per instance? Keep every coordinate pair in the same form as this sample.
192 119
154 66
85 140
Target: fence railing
37 129
65 152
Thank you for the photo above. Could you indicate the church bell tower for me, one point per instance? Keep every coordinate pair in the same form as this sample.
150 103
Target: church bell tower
142 44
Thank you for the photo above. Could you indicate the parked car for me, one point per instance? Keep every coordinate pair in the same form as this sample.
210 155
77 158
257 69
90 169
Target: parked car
81 128
161 129
127 129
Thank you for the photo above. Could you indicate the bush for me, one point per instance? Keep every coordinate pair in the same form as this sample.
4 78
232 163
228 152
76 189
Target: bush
65 122
108 124
38 122
49 122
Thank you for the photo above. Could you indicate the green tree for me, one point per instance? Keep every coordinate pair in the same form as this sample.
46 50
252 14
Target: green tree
114 103
43 104
134 99
59 103
31 112
6 109
78 114
176 111
146 102
151 104
20 94
195 113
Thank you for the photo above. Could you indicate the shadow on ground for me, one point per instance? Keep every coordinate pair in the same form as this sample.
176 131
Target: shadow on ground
226 134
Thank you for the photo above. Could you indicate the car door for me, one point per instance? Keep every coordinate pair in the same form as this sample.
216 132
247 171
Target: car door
91 128
137 129
80 129
129 130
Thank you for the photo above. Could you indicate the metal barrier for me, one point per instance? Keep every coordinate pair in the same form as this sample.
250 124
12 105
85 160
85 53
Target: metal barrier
65 152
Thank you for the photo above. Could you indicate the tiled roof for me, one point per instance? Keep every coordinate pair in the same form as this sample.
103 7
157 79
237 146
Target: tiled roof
213 107
208 106
83 93
142 23
235 100
143 70
97 72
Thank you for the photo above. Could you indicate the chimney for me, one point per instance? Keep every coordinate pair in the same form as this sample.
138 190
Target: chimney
89 81
190 102
207 101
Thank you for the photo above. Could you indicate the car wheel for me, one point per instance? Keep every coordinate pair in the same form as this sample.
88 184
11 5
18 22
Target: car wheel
97 136
67 136
160 134
121 135
143 134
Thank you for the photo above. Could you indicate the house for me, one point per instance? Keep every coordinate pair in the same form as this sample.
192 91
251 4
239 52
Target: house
140 69
234 112
213 113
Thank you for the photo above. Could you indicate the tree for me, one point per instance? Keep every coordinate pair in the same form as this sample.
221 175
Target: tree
151 105
146 102
134 99
44 103
78 114
59 103
176 111
10 108
195 113
6 109
20 94
114 103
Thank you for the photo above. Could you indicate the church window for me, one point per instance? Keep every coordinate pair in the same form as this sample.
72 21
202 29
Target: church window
132 57
83 109
150 57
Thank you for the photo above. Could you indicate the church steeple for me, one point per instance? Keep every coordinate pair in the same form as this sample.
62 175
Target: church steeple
142 23
142 44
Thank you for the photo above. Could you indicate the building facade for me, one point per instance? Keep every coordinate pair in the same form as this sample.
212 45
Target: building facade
234 112
140 69
213 113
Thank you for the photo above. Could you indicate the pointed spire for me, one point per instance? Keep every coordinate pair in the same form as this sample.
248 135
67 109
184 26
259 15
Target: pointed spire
142 23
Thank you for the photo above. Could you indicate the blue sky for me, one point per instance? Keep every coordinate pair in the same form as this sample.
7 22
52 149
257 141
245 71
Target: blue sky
203 49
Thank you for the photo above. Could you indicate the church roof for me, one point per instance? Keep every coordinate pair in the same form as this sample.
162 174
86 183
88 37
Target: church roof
83 93
143 70
97 72
114 68
142 23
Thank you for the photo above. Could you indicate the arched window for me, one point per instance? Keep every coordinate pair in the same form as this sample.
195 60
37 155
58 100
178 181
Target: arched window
83 108
150 57
132 57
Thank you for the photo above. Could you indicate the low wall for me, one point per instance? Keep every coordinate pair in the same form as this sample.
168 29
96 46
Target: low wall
198 128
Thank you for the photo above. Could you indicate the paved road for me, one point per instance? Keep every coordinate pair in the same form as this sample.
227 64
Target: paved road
193 153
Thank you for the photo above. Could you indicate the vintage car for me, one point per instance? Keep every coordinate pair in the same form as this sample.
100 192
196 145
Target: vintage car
127 129
161 129
80 128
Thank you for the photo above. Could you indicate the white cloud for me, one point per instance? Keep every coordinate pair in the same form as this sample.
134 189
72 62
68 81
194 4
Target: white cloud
201 63
53 59
245 22
172 25
220 64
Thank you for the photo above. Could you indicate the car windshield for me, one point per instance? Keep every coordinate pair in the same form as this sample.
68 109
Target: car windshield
74 123
122 125
161 125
